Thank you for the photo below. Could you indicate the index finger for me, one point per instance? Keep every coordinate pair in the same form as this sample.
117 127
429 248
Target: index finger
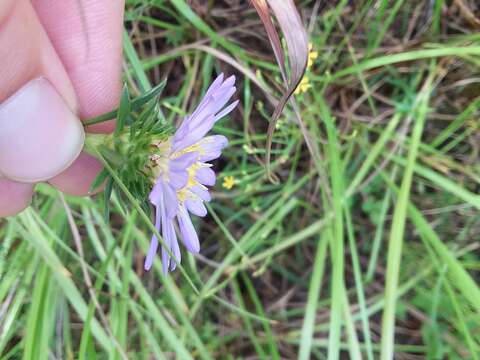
87 35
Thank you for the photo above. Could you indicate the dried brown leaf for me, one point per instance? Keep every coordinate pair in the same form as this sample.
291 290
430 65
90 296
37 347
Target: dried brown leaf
263 11
295 36
296 39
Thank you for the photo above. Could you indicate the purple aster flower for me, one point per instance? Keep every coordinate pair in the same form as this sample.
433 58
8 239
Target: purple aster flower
184 173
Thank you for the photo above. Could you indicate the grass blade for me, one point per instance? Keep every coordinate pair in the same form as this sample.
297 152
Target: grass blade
395 243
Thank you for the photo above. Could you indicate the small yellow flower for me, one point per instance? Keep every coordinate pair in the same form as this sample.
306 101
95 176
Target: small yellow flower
303 86
228 182
312 55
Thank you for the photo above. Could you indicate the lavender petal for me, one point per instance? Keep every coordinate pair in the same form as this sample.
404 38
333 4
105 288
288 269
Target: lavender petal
205 176
171 202
183 161
156 192
217 83
226 111
175 251
221 99
195 134
167 239
152 251
212 147
189 235
201 192
196 207
178 179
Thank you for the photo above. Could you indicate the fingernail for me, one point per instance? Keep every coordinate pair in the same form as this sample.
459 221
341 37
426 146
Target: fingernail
39 135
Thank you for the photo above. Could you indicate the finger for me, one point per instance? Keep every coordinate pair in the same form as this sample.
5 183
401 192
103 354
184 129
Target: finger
39 135
27 54
14 197
5 8
77 179
87 37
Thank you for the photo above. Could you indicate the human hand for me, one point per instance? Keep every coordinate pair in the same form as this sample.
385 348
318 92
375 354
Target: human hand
61 62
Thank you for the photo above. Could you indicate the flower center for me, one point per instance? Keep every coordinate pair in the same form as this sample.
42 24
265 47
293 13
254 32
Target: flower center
159 160
160 166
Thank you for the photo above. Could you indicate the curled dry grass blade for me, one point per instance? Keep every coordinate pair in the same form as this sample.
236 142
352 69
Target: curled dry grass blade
296 39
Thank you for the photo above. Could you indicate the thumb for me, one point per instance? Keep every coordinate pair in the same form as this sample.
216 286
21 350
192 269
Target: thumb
30 151
40 135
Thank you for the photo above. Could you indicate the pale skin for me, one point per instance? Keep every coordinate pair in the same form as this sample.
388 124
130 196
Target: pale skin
76 45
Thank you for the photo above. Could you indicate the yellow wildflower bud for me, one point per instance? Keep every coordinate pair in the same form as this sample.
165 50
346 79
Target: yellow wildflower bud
312 55
303 86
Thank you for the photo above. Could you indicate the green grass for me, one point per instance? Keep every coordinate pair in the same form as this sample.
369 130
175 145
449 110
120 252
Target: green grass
369 250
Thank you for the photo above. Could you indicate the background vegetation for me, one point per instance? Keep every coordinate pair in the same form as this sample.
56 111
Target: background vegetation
367 249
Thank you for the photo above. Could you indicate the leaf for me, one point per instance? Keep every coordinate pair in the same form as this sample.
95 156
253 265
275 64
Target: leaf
314 290
99 180
61 276
136 104
397 230
295 36
106 197
145 115
262 10
151 94
460 278
123 110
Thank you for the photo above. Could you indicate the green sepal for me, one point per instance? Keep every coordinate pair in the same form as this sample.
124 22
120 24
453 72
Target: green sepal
99 180
123 110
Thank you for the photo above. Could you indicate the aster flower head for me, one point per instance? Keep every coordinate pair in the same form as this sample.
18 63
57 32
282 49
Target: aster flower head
181 164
